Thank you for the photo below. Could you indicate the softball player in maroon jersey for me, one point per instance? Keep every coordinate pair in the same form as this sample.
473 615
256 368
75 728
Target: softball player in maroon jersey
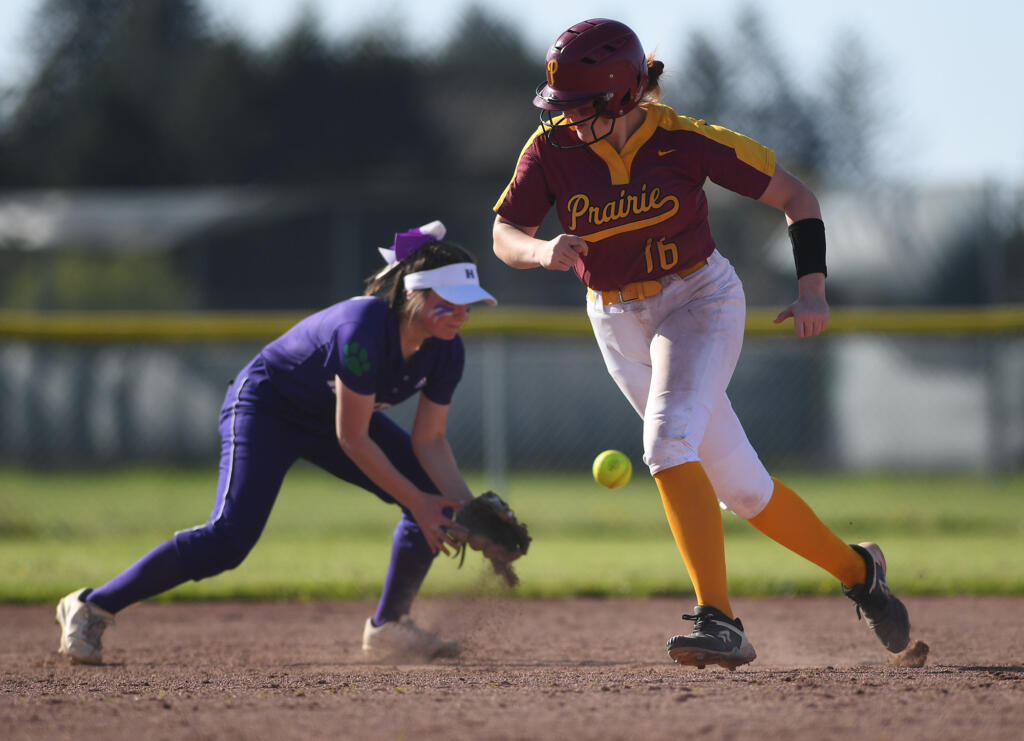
316 393
625 175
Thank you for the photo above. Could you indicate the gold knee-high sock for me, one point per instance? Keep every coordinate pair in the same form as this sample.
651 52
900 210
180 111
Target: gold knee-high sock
696 521
789 521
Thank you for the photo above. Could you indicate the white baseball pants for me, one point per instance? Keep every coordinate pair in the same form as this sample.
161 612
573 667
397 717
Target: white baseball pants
672 355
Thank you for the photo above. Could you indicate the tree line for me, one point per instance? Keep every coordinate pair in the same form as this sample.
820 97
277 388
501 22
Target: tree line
149 92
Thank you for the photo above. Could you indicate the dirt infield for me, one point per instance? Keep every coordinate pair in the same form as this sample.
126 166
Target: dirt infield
578 669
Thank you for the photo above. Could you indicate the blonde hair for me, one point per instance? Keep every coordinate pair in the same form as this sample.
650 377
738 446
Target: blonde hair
414 302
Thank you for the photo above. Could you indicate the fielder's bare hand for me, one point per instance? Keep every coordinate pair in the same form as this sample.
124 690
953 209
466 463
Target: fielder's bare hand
561 252
810 311
429 515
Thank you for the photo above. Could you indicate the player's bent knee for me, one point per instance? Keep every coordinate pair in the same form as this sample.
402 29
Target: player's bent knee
743 486
208 551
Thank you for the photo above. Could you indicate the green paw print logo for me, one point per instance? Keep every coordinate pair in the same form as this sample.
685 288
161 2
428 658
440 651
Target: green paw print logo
356 359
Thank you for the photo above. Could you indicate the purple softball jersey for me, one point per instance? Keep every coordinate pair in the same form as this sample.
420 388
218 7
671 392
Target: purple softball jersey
358 341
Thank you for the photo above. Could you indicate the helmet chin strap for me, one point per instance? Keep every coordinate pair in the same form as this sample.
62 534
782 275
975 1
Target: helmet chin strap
546 122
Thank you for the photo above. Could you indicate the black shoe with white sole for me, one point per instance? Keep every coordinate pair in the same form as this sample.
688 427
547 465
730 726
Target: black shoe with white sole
715 639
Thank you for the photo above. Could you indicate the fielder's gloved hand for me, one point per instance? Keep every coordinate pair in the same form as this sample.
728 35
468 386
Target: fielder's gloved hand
487 524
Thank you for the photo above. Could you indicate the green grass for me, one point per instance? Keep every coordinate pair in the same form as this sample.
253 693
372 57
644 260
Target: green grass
946 534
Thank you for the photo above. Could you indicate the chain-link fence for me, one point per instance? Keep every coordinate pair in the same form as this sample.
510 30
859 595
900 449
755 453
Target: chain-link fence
851 400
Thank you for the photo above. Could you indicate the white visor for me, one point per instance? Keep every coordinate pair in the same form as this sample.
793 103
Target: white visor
457 283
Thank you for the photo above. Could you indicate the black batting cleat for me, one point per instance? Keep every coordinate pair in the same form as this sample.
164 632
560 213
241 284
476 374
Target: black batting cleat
885 614
715 639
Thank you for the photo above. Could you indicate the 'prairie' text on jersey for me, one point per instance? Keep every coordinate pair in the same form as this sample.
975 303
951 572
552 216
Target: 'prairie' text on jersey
626 205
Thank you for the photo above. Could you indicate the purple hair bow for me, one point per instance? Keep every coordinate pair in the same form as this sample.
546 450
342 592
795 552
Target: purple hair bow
408 242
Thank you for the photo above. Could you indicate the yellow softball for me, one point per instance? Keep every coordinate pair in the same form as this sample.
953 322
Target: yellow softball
612 469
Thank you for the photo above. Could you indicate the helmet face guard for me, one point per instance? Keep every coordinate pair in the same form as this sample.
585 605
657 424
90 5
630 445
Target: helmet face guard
598 64
554 119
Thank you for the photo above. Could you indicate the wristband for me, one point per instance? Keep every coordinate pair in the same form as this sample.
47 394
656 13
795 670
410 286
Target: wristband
808 238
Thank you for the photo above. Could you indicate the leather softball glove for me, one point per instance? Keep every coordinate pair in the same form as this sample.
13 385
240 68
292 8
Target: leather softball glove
487 524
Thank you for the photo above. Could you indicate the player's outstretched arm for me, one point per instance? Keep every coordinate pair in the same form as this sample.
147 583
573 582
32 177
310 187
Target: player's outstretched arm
810 311
430 444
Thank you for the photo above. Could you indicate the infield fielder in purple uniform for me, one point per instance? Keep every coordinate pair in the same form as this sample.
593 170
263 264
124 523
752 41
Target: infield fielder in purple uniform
315 393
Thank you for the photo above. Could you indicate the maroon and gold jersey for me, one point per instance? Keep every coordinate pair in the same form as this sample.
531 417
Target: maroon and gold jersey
643 210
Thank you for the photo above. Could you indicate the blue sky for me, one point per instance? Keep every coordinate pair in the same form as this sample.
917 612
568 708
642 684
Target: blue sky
954 71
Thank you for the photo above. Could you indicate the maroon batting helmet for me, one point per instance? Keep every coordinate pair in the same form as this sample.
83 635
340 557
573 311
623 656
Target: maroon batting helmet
598 63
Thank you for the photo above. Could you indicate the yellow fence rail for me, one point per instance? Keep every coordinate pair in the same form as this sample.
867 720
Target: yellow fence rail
121 326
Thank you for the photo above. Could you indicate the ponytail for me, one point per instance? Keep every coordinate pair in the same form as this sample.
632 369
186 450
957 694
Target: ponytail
654 69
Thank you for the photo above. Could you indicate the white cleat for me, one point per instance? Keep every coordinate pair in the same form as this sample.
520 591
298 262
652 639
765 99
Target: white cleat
404 639
81 629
